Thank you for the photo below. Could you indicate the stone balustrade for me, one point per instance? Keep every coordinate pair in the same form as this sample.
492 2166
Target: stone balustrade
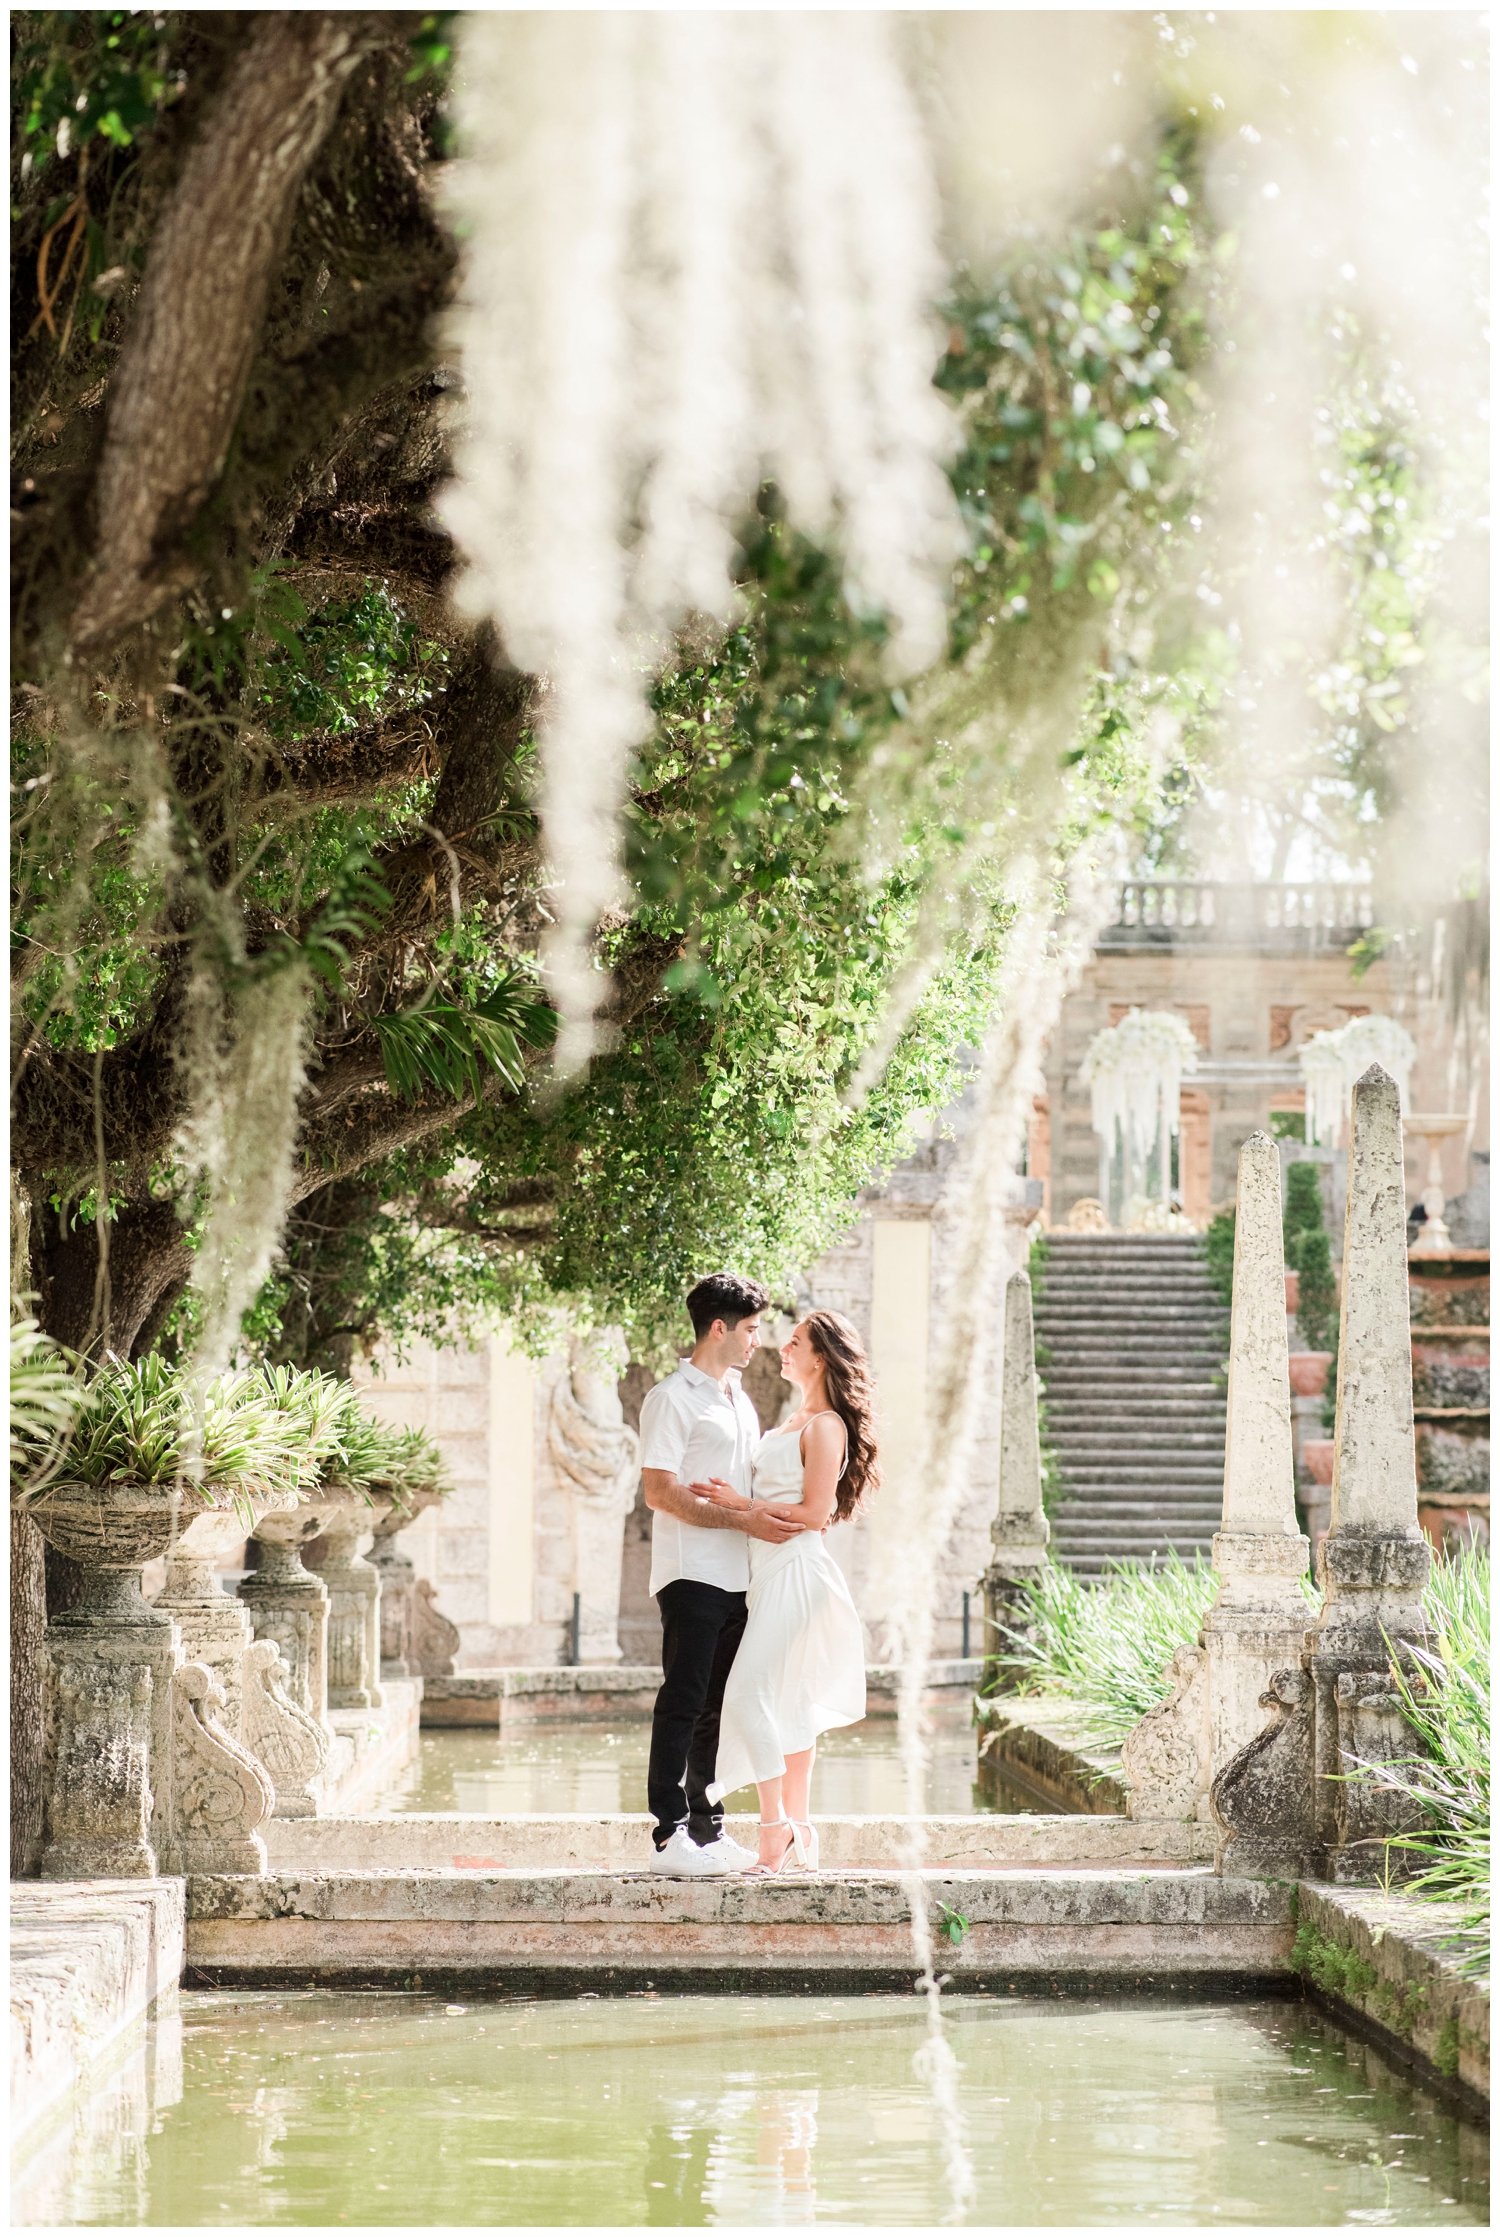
1155 912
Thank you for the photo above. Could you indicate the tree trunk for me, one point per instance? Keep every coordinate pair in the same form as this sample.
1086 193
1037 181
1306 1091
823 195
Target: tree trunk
146 1260
28 1624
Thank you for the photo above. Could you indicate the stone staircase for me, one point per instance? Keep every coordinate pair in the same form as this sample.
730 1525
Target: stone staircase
1132 1335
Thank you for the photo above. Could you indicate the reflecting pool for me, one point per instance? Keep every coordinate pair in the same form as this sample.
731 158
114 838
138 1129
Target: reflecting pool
602 1767
323 2108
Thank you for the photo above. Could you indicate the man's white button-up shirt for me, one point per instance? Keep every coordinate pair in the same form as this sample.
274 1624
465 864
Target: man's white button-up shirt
695 1428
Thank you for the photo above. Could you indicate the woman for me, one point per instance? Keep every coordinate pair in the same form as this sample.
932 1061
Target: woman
800 1669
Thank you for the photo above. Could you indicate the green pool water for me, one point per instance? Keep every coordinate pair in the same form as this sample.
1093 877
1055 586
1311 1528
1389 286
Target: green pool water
327 2109
602 1767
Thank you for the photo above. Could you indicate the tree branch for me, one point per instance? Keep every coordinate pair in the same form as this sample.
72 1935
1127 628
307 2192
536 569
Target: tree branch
187 357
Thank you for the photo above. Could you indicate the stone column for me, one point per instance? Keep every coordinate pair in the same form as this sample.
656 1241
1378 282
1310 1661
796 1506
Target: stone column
353 1587
1019 1532
1285 1803
1374 1562
289 1605
1260 1614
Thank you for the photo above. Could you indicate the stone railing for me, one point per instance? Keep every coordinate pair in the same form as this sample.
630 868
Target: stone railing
1164 912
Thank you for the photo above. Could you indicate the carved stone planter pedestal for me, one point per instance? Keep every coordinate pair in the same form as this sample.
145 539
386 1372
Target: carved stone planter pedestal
1019 1531
353 1586
398 1580
110 1664
142 1771
1285 1803
213 1625
1260 1616
288 1604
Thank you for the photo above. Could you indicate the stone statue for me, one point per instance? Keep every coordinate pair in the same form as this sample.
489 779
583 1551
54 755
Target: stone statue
594 1462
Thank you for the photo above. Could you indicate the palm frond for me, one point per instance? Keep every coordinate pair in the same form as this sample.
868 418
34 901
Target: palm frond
451 1046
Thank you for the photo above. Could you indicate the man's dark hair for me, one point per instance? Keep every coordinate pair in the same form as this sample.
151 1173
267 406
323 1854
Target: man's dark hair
726 1297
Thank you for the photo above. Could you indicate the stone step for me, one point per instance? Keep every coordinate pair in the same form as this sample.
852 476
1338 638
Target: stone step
1117 1547
1190 1512
1135 1405
620 1842
616 1929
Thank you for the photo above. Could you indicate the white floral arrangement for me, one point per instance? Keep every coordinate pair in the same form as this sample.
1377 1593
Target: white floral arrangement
1147 1215
1134 1073
1331 1063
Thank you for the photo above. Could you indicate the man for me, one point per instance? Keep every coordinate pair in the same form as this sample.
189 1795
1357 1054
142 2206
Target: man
696 1425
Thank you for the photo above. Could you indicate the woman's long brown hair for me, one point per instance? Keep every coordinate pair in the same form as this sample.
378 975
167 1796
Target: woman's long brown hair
846 1374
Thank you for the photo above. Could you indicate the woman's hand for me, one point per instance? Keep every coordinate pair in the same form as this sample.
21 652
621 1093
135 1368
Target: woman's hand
722 1494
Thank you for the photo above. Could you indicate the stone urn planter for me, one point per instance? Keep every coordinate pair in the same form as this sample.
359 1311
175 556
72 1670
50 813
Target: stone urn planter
287 1603
1309 1374
1317 1455
1293 1289
111 1661
415 1639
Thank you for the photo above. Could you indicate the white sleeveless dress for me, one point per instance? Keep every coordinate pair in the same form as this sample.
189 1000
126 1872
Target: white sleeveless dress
800 1669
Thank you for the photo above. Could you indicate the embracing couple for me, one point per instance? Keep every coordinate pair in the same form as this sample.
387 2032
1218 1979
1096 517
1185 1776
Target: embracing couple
761 1644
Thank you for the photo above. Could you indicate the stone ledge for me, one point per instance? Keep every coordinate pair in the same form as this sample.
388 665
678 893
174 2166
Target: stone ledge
89 1960
619 1841
1378 1959
1040 1745
399 1925
596 1692
371 1748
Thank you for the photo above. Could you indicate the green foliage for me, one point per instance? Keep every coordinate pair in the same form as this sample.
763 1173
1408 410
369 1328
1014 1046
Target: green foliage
1303 1208
45 1394
1309 1255
353 662
1445 1699
1106 1645
445 1046
1218 1251
952 1925
81 75
1289 1126
278 1428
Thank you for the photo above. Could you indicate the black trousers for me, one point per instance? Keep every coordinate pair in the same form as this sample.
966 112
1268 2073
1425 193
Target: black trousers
701 1628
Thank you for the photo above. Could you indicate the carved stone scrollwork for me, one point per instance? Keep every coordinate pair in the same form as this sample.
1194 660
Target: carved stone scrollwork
221 1794
1262 1800
1165 1756
434 1640
290 1745
288 1605
1360 1814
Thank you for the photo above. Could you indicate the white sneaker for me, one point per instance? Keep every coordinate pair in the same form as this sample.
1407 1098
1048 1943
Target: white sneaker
682 1859
734 1853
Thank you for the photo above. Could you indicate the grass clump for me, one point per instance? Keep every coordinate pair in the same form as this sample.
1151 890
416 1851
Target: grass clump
1445 1699
1106 1645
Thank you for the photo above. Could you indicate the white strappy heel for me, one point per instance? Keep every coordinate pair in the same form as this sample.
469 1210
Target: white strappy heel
793 1850
810 1846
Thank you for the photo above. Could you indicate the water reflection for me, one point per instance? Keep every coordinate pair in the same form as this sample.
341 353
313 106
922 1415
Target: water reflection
761 2112
601 1768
